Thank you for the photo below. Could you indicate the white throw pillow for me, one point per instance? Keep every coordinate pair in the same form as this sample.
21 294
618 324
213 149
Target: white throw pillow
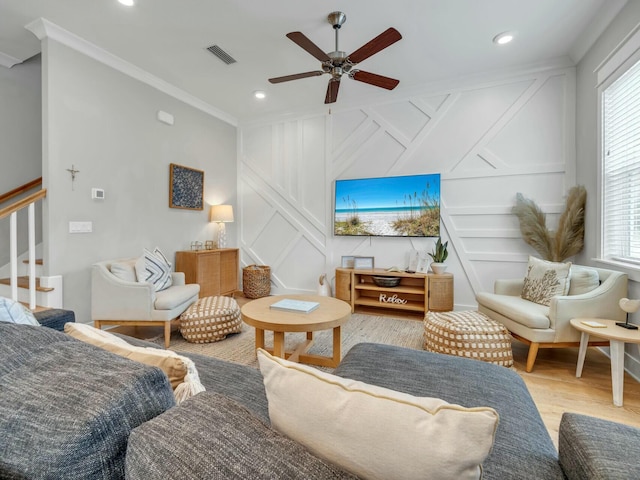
583 280
374 432
125 270
154 268
545 280
14 312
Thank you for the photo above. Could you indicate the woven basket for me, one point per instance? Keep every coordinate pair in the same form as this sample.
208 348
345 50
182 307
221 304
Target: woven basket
256 281
468 334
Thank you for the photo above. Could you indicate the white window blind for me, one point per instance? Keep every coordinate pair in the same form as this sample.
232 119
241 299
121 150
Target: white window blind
621 168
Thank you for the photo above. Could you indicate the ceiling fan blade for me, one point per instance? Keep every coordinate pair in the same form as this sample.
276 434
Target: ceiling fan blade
382 41
296 76
332 91
302 41
374 79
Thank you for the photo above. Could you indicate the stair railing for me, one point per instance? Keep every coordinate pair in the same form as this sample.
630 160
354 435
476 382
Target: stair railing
5 197
12 212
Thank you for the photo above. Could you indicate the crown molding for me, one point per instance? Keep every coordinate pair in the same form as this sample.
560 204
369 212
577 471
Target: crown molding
8 61
43 28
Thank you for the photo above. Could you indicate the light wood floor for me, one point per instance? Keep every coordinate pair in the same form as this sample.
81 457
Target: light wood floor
552 383
555 388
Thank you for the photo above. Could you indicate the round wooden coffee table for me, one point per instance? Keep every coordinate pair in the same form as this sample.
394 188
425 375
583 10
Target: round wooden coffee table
332 313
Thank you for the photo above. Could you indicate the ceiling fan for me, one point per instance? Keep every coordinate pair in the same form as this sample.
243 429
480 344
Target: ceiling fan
337 63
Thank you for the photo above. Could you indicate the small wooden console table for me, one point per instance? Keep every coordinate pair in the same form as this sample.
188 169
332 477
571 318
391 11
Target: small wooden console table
416 292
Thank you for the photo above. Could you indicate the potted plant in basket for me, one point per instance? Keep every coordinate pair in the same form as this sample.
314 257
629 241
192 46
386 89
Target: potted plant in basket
439 255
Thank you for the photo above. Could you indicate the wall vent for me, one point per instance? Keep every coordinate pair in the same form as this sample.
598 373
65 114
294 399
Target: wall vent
221 54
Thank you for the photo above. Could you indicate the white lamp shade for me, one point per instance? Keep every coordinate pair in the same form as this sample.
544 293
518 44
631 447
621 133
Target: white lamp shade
221 213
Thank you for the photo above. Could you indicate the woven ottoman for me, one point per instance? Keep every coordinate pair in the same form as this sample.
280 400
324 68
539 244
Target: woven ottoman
210 319
468 334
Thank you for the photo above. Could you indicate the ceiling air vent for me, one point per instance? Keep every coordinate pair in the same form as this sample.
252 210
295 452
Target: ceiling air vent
221 54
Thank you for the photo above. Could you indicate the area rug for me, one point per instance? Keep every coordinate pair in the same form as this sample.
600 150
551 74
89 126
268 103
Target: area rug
240 347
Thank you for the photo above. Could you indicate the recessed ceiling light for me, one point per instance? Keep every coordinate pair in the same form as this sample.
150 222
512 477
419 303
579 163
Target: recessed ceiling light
128 3
503 38
259 94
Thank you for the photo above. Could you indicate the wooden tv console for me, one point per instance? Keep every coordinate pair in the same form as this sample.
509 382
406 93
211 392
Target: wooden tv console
417 292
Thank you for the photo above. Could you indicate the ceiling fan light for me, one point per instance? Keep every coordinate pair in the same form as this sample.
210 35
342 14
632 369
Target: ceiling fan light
503 38
128 3
259 94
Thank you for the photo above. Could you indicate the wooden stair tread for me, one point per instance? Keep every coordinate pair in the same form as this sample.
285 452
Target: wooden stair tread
38 308
23 282
38 261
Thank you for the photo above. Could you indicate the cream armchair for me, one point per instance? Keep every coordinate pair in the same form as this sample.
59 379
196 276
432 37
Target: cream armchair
121 300
540 326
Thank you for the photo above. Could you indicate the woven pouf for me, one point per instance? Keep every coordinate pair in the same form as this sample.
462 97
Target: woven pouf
468 334
210 319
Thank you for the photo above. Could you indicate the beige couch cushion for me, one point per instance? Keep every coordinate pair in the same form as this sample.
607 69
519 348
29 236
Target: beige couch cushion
524 312
170 298
374 432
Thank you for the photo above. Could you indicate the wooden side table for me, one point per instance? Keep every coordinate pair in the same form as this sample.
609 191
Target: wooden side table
617 337
440 292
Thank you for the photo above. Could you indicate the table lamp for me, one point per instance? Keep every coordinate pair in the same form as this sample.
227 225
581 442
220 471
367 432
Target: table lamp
629 306
221 214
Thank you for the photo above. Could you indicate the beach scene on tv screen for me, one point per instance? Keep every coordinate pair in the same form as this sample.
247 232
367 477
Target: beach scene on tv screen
404 206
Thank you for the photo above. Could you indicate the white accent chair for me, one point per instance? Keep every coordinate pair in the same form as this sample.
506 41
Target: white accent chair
115 301
540 326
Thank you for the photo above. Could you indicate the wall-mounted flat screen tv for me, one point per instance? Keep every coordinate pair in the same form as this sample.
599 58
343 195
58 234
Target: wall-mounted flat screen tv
405 206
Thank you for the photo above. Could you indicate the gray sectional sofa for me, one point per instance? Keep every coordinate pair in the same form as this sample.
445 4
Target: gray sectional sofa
69 410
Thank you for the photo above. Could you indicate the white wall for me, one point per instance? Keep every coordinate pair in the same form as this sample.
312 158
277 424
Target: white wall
489 140
586 140
20 140
104 124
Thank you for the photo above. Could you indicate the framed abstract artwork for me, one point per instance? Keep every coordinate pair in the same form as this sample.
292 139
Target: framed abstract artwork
186 187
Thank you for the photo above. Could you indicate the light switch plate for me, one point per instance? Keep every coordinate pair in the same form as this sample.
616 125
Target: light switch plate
80 227
165 117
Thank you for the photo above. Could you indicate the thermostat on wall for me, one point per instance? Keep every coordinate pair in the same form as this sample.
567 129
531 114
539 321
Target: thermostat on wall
97 193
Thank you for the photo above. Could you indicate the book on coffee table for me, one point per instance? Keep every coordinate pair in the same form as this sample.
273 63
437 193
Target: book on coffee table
300 306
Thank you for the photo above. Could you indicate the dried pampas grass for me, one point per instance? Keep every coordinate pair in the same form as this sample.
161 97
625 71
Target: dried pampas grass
568 240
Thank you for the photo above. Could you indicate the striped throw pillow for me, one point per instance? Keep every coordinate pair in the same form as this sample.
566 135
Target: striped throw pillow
157 269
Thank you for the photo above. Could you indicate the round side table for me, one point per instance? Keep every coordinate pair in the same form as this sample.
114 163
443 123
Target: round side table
617 337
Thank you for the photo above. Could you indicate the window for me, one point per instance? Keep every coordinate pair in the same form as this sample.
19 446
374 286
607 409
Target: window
620 174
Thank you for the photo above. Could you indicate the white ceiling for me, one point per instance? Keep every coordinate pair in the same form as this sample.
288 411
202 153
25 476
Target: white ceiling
443 41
